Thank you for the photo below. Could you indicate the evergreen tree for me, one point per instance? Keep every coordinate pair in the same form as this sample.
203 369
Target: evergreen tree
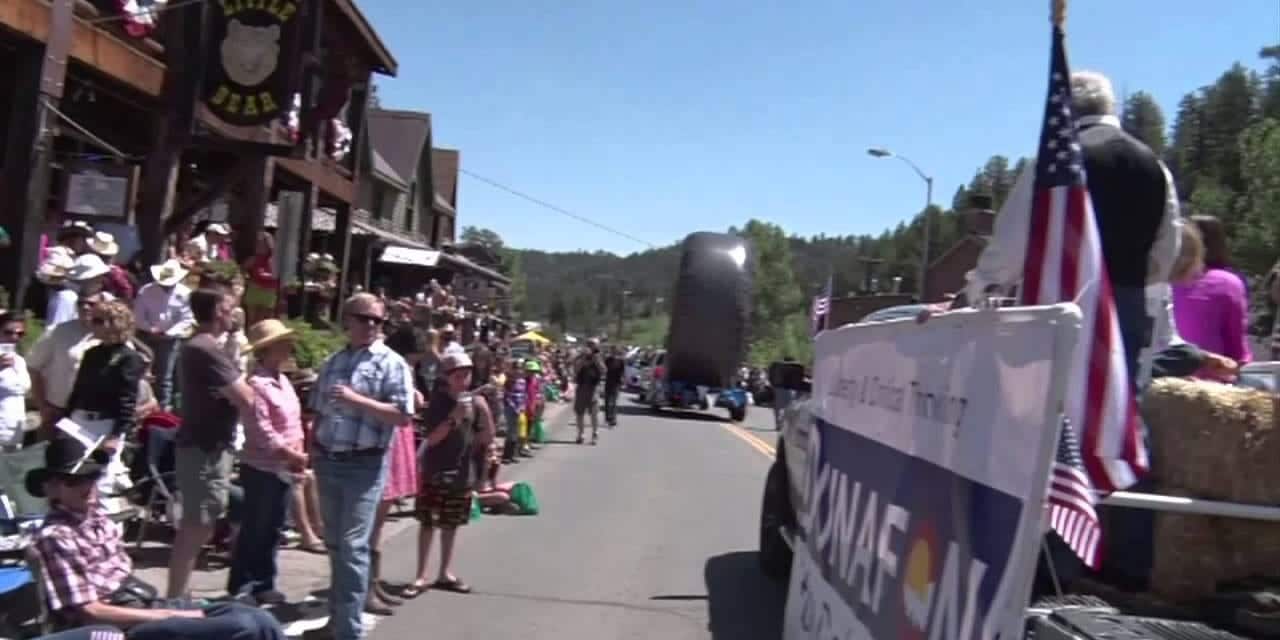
1144 120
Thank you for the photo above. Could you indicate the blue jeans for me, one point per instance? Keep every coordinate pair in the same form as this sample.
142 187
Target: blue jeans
229 621
350 488
165 350
253 566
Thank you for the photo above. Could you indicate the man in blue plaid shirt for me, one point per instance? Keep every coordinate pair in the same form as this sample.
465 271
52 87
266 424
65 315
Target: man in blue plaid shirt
361 394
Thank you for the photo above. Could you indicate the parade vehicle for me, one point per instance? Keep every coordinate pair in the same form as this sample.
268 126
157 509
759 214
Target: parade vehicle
888 511
707 337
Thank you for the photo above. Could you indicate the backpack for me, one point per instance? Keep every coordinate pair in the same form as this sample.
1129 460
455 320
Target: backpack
588 373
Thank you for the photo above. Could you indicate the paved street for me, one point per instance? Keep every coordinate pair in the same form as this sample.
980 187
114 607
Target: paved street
651 534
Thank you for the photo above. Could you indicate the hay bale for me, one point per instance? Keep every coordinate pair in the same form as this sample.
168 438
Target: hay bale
1194 554
1216 441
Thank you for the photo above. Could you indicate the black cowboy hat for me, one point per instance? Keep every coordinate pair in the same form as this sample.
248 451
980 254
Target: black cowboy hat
66 457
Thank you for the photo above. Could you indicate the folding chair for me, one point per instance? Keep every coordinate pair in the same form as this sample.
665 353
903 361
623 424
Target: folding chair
161 496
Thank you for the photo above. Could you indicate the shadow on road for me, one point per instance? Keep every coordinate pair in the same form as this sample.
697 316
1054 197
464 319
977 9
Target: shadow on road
742 604
637 410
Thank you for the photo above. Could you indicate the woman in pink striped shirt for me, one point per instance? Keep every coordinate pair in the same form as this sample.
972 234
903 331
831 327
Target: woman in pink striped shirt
272 460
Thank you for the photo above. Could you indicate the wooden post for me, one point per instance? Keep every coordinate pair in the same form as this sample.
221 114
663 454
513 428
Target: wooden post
341 240
250 208
41 73
184 51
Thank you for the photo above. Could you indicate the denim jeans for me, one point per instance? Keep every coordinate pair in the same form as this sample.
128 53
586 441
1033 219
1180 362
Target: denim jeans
350 488
228 621
165 350
253 566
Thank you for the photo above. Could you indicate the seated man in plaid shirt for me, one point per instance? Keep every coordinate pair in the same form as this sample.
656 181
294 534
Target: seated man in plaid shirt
87 576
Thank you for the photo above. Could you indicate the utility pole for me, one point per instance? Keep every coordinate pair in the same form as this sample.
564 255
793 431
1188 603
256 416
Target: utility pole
622 308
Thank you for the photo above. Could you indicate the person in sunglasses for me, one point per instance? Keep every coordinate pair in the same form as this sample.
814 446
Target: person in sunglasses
362 394
105 394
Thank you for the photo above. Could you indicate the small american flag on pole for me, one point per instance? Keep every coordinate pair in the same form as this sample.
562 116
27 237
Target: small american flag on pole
822 309
1064 263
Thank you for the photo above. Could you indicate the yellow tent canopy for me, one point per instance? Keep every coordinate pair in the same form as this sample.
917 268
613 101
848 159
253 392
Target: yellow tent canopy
533 336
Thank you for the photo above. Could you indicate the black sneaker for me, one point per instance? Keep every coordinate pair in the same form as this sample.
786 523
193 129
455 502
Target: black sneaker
580 440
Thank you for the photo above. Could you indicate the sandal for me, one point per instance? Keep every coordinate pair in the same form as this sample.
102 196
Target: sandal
317 548
413 590
452 585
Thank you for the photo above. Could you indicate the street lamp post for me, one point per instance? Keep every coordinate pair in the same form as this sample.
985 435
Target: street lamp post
880 152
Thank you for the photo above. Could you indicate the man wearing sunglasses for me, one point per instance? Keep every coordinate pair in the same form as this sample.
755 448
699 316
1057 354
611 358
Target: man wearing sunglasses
54 361
361 394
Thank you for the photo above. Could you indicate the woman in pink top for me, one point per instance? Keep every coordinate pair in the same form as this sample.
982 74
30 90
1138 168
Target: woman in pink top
1212 311
272 461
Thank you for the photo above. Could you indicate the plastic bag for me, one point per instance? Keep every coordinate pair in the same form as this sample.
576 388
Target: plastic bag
475 509
522 496
707 338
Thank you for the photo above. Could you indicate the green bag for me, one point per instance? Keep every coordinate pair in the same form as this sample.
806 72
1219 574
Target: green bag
475 509
539 431
522 496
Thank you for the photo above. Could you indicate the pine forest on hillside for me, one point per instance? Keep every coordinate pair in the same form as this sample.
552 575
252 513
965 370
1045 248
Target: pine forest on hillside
1223 148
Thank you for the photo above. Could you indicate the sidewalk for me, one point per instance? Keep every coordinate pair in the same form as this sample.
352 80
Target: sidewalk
303 576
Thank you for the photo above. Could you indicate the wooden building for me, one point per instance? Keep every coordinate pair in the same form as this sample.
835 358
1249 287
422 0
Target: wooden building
130 97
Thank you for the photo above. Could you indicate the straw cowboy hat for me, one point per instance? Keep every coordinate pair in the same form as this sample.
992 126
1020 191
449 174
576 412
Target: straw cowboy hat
104 244
54 270
74 228
168 274
267 332
454 361
218 229
88 267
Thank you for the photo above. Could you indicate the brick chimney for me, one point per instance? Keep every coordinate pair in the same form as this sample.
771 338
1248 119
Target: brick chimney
979 219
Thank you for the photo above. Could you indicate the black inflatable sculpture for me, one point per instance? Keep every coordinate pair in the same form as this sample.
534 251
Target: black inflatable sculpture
710 310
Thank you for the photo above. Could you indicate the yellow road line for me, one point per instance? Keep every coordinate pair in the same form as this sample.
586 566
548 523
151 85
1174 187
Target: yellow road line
754 442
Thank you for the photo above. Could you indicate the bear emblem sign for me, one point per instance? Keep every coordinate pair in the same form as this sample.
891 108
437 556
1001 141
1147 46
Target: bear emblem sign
253 59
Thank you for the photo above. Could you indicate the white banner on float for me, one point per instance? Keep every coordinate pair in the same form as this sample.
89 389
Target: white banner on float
928 462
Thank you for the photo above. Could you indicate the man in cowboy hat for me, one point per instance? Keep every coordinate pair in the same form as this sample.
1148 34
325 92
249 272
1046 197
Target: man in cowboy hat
118 282
162 312
84 278
449 340
213 243
87 575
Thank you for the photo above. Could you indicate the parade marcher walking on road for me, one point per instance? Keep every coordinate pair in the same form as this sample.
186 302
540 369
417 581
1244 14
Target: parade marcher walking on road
614 369
588 371
454 419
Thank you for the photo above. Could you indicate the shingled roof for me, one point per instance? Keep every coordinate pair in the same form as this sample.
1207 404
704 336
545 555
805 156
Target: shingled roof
399 137
444 173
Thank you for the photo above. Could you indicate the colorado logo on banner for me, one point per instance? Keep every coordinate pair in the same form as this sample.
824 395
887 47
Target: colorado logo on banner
928 459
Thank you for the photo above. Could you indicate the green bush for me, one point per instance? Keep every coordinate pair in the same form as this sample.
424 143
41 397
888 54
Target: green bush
35 329
313 344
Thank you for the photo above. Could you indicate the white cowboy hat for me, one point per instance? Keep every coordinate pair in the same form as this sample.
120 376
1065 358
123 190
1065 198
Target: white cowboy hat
168 274
54 269
219 229
88 267
267 332
104 244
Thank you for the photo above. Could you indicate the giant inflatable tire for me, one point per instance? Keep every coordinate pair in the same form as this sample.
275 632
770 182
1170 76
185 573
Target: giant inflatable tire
707 339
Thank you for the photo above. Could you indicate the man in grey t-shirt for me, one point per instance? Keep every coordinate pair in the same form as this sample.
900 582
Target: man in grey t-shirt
214 395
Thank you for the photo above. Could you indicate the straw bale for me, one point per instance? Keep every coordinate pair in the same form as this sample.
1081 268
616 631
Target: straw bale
1194 554
1217 441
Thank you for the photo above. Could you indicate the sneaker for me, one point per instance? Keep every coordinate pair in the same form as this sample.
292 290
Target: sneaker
594 439
580 440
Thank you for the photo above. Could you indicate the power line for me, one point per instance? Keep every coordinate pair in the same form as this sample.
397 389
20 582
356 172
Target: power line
560 210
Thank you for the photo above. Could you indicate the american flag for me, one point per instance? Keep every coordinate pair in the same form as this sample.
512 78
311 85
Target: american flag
1071 502
1064 263
822 309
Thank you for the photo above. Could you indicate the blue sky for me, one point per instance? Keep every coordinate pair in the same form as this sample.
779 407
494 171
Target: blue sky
664 117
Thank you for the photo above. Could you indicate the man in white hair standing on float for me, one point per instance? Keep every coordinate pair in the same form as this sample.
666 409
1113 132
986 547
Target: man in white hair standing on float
1135 204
